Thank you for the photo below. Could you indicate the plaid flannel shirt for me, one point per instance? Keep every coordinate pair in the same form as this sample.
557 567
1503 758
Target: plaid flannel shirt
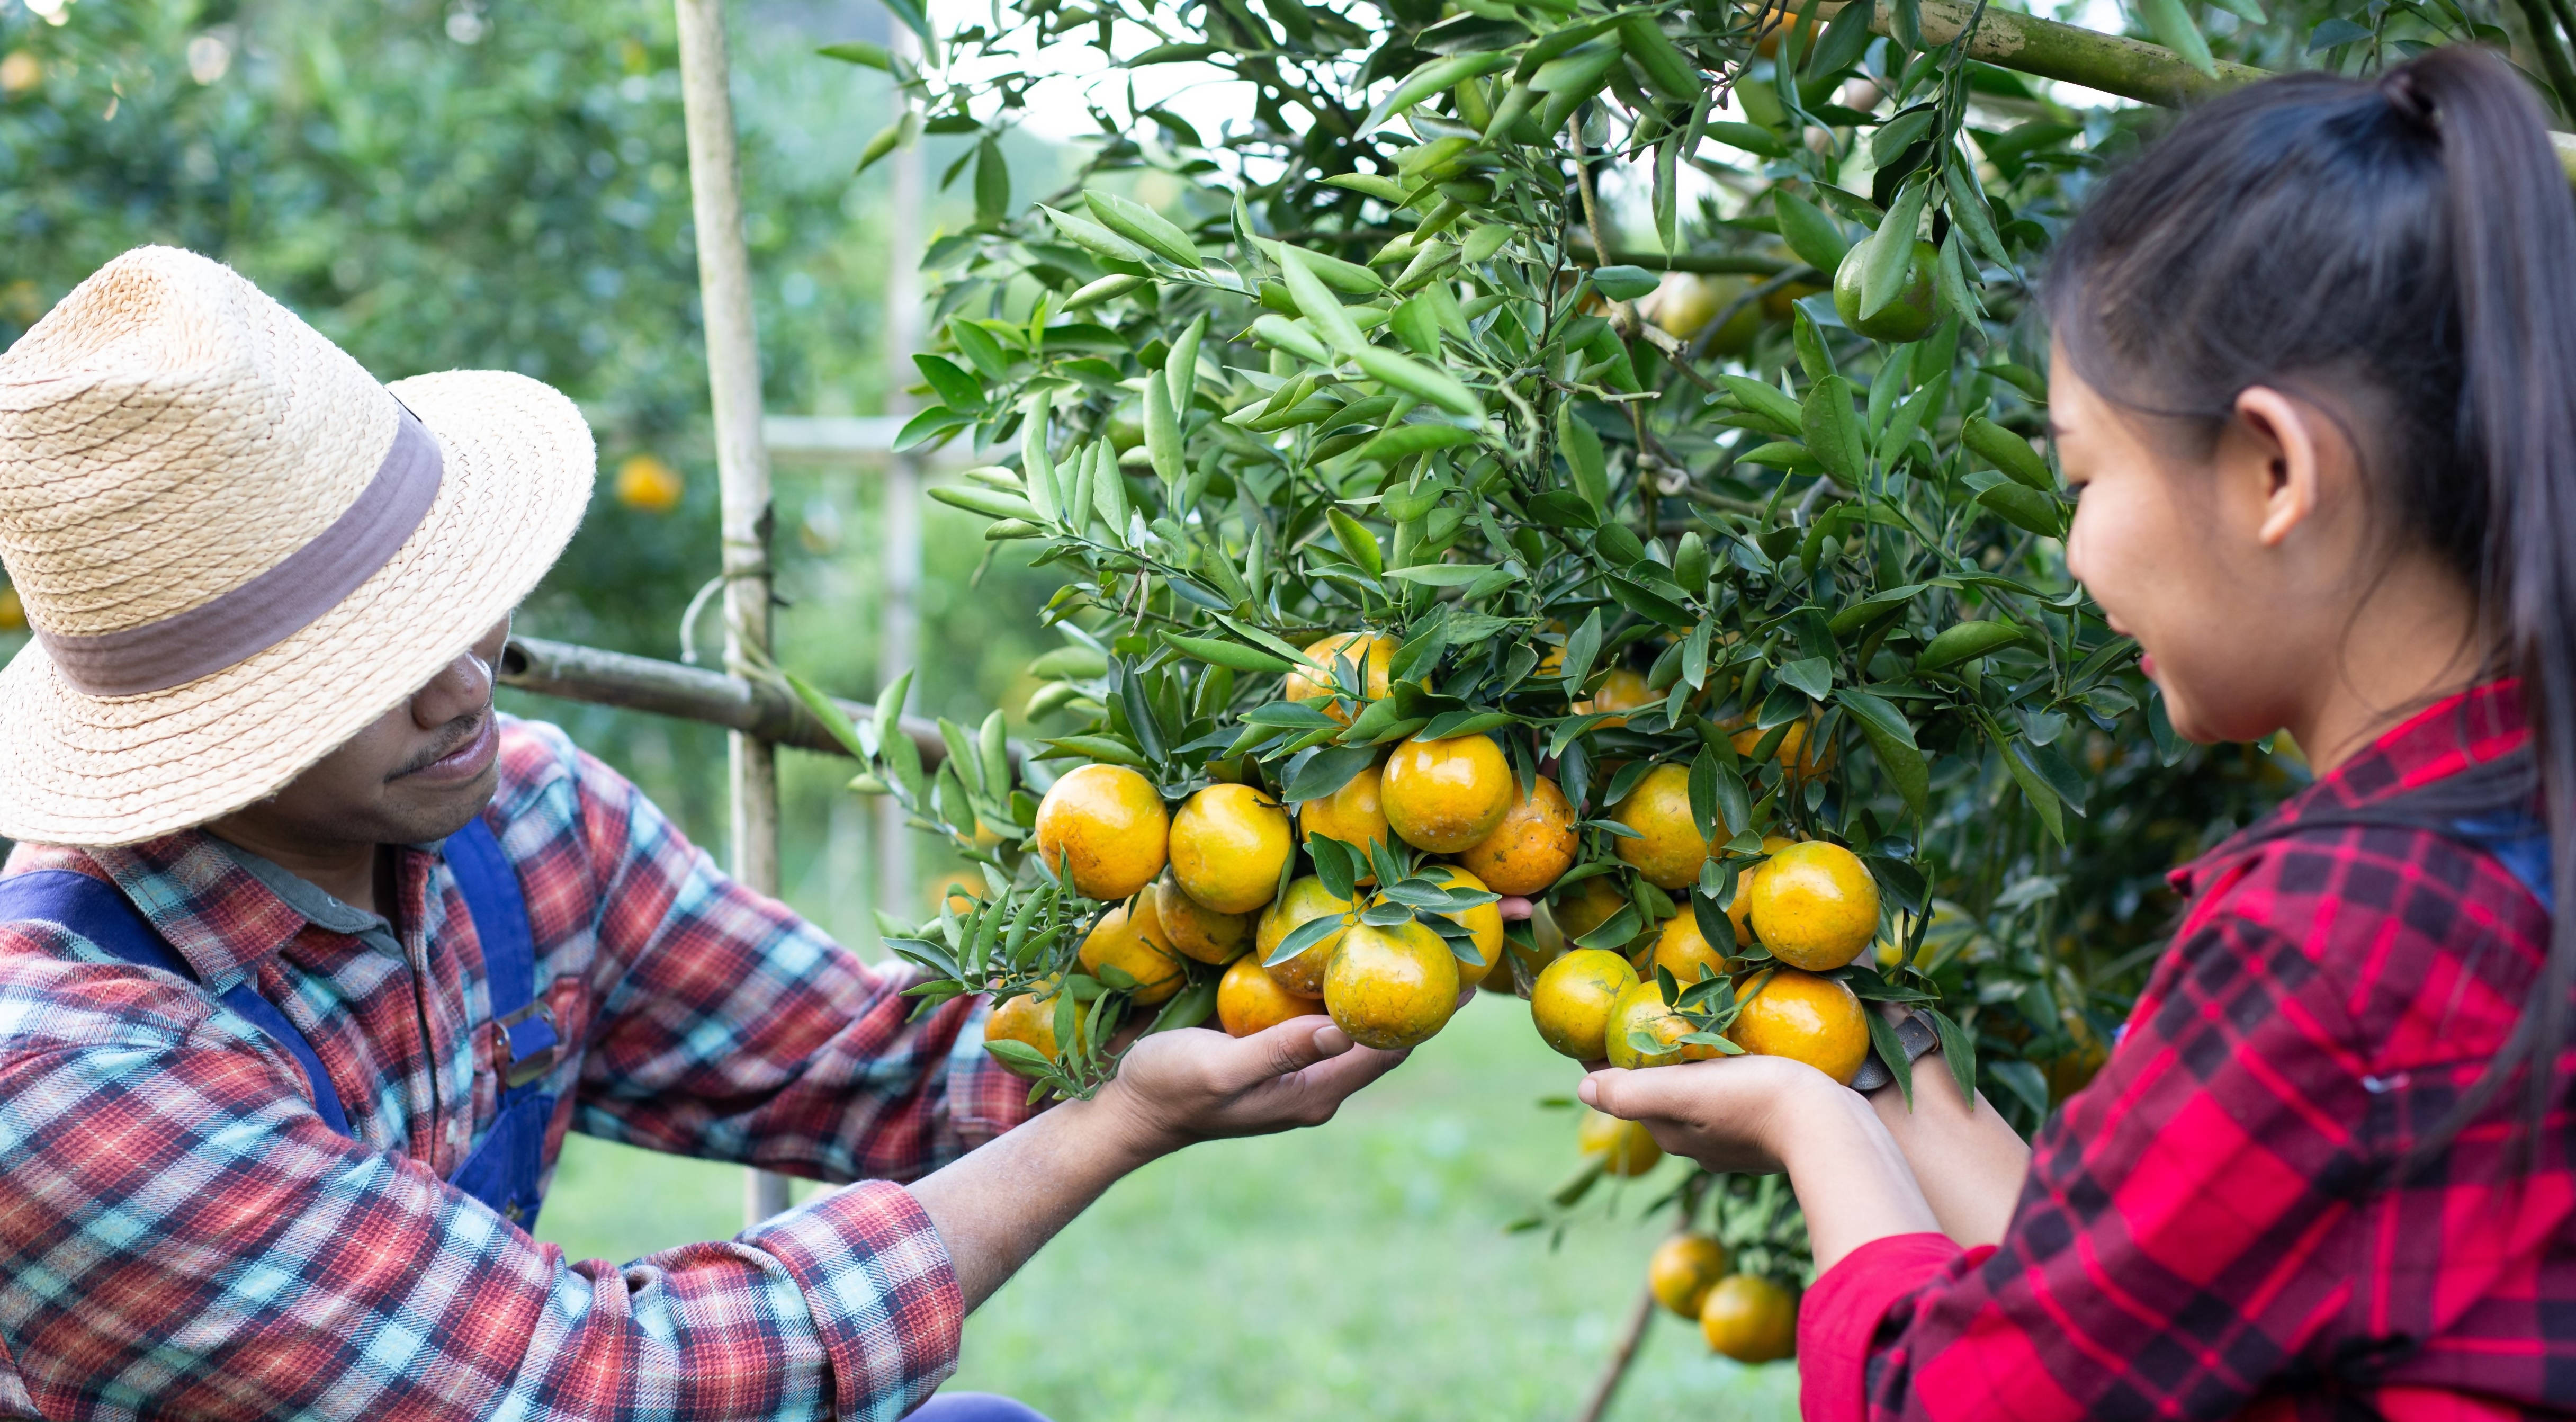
180 1235
2213 1227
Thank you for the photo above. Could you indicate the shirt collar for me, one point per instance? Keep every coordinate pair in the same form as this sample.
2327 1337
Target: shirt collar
224 908
2469 728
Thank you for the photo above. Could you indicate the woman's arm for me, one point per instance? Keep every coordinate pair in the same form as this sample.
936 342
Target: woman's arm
1767 1114
1968 1162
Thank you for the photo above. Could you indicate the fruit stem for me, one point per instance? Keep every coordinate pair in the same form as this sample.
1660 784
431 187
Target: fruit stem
1621 1355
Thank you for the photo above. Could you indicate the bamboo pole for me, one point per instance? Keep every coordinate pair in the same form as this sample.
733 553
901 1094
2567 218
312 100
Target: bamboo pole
899 540
742 460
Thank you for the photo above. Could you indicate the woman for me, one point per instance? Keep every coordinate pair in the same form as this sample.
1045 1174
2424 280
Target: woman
2315 378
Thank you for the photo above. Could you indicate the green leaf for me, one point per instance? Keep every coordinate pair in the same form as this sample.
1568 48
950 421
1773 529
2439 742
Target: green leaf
1581 446
1884 272
992 184
1306 935
1891 739
1358 542
1623 283
1967 641
1766 400
2008 452
1816 238
1145 227
1443 575
1092 237
1891 1052
1812 675
1435 77
1833 431
1230 654
1843 41
2034 787
1163 433
2027 508
1958 1048
2171 23
1404 441
1328 770
874 56
1419 380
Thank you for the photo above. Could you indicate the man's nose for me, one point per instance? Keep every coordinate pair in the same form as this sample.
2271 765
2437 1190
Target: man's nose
462 688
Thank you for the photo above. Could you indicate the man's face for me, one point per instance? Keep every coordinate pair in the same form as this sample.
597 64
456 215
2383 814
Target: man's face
417 774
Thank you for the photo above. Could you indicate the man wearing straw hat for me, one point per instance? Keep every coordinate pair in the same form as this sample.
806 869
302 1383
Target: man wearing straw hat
308 958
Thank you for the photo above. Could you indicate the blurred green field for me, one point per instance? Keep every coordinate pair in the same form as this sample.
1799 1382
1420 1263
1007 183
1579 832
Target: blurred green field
1360 1269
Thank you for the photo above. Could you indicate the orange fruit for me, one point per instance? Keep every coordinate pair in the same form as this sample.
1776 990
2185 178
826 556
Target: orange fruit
1108 822
1371 653
13 611
1351 814
647 485
1530 848
1570 1003
1815 906
1642 1009
1624 1147
1391 987
1306 898
1588 905
1484 923
1548 945
1445 795
1750 1319
1684 1268
1130 938
1621 690
1805 1018
1028 1019
1228 844
1681 950
1249 1000
1801 761
1194 928
1669 848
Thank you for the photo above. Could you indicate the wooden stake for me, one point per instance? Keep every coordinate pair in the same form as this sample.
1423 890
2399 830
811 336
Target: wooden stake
742 460
1621 1355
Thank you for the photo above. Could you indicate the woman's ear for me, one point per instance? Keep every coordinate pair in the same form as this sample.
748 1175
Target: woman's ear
2275 449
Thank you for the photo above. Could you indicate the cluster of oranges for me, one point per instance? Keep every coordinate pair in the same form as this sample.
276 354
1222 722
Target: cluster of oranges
1748 1317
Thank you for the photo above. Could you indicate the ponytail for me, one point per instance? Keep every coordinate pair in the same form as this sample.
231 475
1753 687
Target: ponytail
2414 238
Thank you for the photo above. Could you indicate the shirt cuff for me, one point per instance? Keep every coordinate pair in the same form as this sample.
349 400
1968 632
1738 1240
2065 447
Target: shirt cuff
1839 1317
985 1098
883 1296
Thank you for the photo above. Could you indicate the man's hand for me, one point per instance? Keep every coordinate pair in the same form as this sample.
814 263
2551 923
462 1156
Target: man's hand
1731 1114
1175 1088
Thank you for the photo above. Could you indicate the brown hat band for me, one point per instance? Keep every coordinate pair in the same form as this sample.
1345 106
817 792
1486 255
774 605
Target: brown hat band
277 604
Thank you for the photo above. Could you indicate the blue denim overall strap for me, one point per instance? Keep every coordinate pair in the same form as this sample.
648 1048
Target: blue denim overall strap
96 910
505 1168
503 1171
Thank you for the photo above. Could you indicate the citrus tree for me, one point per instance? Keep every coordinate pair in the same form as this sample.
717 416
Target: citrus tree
1552 452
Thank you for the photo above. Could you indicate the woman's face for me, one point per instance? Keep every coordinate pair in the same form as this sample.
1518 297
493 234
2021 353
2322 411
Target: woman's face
2175 553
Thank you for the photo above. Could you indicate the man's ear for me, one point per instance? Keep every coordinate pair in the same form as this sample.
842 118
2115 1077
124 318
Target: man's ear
2279 445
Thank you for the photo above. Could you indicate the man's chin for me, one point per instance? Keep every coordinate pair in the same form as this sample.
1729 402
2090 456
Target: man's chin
423 814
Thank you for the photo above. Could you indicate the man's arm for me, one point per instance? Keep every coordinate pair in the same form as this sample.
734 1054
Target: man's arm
995 1207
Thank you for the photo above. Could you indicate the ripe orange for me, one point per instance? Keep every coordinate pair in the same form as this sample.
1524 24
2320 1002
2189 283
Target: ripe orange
1306 898
1641 1009
1028 1019
1670 848
1588 905
1624 1147
1806 1018
1531 848
1682 951
1484 923
1684 1268
1107 820
1229 843
1249 1000
1351 814
647 485
1130 938
1445 795
1815 906
1372 653
1391 987
1570 1003
1621 690
1750 1319
1800 761
1194 928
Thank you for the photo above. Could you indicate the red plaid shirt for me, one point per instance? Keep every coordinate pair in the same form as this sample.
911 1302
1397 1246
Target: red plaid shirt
2212 1228
180 1235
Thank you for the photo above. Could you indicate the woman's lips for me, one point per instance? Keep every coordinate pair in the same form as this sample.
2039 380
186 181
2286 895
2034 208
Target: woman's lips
2147 664
466 761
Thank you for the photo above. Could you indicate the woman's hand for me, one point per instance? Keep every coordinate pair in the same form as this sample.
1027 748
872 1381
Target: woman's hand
1174 1088
1729 1114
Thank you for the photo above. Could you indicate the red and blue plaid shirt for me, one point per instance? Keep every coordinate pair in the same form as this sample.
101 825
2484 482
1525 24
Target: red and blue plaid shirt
180 1235
2215 1227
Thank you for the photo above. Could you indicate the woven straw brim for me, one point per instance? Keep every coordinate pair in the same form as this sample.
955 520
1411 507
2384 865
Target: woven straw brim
519 465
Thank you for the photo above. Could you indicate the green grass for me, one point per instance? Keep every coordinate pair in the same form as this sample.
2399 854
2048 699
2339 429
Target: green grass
1360 1269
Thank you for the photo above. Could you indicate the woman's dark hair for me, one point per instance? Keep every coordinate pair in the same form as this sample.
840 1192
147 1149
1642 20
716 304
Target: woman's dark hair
2409 243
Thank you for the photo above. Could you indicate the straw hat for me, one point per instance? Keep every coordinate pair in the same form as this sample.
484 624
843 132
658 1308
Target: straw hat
237 549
